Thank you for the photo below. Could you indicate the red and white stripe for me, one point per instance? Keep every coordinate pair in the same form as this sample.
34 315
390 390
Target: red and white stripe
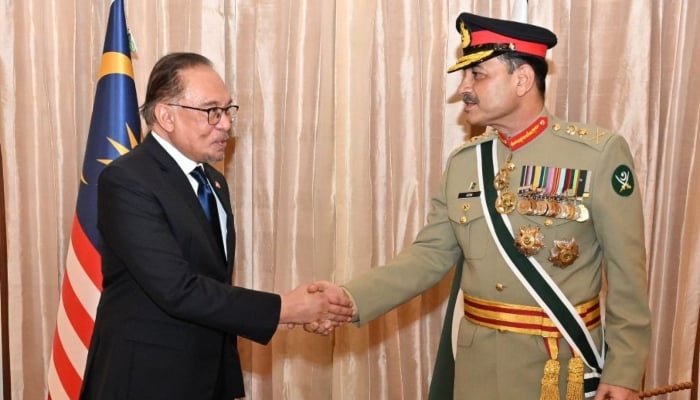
76 317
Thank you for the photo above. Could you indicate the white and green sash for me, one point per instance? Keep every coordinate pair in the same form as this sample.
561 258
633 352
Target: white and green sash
533 276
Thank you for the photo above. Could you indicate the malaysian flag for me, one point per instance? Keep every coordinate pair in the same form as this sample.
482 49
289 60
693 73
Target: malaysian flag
115 128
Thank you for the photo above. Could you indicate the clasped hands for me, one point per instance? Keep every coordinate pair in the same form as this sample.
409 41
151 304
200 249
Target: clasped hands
320 306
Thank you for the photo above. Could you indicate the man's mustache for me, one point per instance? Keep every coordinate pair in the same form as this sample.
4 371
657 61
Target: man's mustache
470 98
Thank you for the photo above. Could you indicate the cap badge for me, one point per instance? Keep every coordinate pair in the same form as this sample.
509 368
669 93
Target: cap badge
466 37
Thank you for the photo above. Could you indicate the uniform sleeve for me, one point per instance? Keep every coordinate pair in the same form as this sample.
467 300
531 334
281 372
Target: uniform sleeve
414 270
618 221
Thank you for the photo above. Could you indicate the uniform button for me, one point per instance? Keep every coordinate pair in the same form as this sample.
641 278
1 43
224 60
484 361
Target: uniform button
500 287
463 220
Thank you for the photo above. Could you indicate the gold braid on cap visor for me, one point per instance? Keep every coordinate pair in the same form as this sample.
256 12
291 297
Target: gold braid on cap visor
470 59
481 53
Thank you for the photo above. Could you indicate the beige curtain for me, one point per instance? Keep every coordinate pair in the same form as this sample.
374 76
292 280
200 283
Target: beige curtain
347 116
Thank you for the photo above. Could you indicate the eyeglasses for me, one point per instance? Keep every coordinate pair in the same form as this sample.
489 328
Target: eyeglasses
214 113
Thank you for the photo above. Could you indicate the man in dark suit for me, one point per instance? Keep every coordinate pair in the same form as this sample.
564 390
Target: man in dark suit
168 318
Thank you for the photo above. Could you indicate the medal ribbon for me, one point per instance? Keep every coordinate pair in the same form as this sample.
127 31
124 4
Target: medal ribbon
554 181
583 179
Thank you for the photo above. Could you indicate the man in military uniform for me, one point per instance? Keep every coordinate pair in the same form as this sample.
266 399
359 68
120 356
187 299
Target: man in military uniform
533 212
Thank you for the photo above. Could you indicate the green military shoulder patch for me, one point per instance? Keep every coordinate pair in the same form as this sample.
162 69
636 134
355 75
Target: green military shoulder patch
623 180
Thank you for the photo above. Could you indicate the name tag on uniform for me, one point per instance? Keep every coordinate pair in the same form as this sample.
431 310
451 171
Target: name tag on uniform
467 195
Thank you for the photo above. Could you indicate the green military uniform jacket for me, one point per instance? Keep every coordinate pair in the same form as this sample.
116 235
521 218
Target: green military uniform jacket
504 365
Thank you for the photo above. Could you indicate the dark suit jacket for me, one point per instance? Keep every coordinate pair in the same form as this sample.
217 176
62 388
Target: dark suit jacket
168 318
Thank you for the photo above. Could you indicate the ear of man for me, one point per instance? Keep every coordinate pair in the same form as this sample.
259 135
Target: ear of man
165 116
525 77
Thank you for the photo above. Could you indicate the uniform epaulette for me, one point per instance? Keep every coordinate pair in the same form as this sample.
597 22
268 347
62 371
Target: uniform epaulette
591 135
489 134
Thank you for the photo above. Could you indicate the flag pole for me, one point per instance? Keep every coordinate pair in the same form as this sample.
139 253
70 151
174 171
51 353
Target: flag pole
4 320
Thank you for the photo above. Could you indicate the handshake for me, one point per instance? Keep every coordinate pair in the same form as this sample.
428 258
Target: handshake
320 306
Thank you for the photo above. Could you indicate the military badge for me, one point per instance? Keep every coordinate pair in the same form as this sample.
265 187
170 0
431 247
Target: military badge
506 201
466 37
564 253
526 206
583 214
553 208
623 181
530 240
553 192
500 182
540 207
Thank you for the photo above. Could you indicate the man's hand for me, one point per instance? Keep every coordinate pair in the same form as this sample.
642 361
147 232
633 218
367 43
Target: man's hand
311 303
611 392
336 294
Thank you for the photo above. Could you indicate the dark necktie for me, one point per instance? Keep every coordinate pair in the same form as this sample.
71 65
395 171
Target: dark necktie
207 199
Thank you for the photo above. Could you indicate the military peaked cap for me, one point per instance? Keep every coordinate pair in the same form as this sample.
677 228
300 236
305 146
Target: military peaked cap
484 38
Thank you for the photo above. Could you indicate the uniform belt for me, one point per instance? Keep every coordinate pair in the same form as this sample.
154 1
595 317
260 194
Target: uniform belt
529 320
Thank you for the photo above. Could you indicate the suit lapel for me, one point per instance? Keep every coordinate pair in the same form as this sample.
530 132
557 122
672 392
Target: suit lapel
176 179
